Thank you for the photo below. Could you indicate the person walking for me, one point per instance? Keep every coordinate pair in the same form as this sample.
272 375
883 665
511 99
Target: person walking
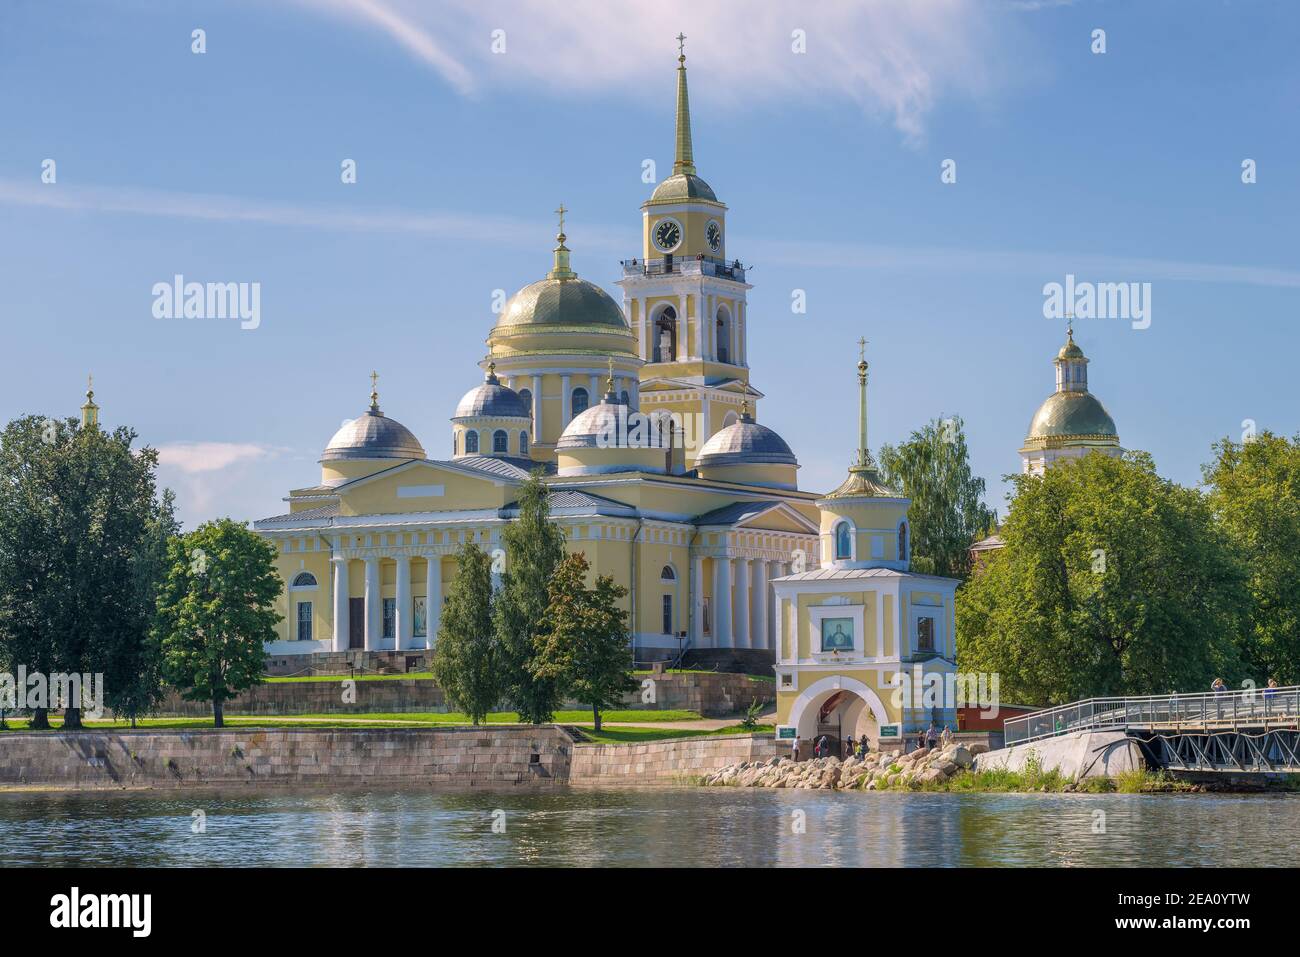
823 747
866 746
794 749
932 736
946 737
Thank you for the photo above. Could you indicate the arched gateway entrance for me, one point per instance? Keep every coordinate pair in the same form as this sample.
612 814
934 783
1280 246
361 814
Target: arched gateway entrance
838 706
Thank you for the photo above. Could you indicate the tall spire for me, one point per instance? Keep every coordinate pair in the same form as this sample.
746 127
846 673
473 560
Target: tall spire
90 411
561 269
864 454
374 392
683 158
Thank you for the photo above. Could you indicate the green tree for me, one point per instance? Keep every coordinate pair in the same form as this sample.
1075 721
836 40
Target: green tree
216 612
82 533
1254 489
1113 581
585 648
947 512
534 547
466 659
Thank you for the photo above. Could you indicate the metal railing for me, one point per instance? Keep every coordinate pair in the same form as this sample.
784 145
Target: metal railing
684 267
1252 707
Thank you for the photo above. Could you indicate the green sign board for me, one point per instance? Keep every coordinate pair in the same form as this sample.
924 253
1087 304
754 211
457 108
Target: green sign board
890 731
786 732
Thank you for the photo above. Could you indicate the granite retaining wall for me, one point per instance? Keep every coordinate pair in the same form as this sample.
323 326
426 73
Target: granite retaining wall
469 757
667 762
713 695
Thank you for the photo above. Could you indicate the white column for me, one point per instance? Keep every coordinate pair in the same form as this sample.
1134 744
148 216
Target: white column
699 324
758 596
403 626
697 601
374 607
537 407
636 393
736 337
722 603
682 349
433 598
566 402
594 392
341 621
639 306
744 639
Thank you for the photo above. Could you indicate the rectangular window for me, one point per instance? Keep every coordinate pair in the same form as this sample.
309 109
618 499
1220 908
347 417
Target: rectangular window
708 618
304 621
390 616
668 614
420 618
925 634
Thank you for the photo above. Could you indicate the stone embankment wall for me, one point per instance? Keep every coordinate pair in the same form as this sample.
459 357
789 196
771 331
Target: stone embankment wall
470 757
667 762
709 694
1083 754
490 756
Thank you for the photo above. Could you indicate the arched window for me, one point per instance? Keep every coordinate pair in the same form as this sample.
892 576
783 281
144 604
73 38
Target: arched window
500 442
723 338
471 442
527 396
902 542
304 580
665 336
580 400
668 575
843 541
523 443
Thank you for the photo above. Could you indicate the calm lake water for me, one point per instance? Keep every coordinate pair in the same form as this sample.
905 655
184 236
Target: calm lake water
705 827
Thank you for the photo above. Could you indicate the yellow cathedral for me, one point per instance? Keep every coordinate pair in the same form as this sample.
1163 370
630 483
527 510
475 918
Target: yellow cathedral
697 521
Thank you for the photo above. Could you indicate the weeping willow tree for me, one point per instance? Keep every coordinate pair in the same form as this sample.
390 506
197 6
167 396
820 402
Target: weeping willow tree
947 512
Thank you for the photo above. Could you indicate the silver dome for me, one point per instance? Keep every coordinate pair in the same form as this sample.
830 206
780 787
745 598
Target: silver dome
610 424
745 443
492 399
373 436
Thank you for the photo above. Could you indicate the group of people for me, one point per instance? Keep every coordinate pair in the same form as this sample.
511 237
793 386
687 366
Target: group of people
931 737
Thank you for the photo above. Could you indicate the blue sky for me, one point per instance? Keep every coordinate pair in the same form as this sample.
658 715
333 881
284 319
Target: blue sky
1116 167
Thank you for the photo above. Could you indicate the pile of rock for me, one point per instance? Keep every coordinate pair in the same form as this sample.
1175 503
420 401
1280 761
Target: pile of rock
877 770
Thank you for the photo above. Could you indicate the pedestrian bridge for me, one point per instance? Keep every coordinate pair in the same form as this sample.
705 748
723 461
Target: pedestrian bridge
1256 730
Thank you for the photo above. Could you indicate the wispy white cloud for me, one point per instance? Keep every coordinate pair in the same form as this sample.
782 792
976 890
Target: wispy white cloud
894 58
599 239
196 457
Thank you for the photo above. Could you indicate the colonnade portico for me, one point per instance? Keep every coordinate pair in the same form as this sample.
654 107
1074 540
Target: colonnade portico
404 637
741 602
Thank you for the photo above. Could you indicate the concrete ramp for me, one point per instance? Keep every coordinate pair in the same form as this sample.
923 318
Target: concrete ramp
1082 754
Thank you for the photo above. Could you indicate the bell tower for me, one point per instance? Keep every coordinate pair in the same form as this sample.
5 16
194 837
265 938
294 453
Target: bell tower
685 300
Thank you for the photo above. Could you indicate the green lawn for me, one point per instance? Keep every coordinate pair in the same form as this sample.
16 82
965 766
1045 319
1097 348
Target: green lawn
638 735
413 719
418 675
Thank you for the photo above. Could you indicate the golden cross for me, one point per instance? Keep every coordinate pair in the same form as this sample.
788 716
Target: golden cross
90 383
1069 324
374 381
561 211
681 44
862 348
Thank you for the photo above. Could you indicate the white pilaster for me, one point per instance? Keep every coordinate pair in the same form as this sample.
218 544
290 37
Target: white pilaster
341 621
722 603
537 407
699 326
682 349
433 598
758 620
744 639
594 391
697 601
639 305
374 607
403 626
566 402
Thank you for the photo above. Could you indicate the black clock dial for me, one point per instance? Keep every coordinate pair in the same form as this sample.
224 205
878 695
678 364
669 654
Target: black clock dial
667 235
713 233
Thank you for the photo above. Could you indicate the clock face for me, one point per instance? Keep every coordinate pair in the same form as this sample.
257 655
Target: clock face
713 233
668 235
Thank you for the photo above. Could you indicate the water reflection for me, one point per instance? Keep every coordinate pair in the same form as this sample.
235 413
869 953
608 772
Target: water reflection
713 827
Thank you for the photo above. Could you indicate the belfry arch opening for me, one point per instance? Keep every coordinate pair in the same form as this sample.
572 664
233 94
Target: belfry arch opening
839 709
